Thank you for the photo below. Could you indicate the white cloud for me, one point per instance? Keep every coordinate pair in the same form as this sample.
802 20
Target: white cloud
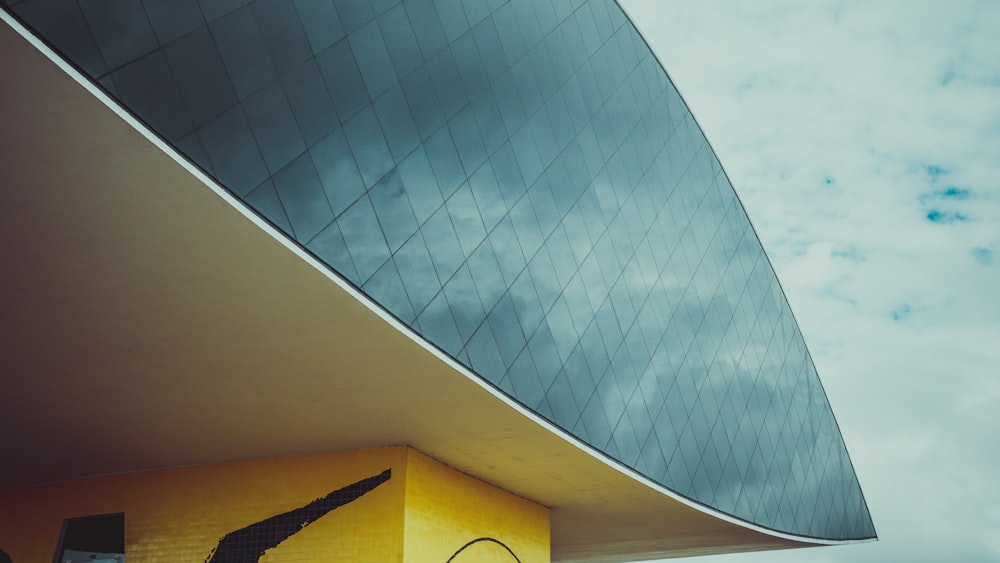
863 139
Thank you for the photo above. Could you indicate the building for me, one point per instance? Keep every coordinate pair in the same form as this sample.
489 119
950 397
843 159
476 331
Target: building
379 280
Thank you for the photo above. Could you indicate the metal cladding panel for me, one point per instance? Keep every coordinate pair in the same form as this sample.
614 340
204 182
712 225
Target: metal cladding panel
521 184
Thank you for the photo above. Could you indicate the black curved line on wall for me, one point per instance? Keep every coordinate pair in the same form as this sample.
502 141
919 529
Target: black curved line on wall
247 545
477 540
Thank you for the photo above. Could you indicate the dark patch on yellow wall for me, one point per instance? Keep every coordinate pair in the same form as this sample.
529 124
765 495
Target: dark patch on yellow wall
247 545
479 541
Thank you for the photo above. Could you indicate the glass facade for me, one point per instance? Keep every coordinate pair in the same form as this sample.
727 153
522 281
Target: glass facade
520 183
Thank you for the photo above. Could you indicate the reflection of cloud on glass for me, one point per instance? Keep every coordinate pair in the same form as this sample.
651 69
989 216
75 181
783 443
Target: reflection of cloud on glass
363 238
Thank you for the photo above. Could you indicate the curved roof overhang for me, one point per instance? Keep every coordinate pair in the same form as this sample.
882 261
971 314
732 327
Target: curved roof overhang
151 320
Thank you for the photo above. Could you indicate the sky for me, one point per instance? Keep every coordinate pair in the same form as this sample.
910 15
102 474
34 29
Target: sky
863 138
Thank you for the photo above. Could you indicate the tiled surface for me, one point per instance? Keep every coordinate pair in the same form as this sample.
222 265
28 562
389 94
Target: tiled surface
184 514
375 506
447 510
520 183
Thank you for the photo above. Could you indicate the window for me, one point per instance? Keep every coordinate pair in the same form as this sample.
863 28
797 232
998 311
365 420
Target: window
93 539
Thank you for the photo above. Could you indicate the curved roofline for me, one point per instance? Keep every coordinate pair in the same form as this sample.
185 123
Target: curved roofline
753 228
317 265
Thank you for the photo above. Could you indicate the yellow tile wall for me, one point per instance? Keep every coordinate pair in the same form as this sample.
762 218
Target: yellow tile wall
446 509
179 515
425 512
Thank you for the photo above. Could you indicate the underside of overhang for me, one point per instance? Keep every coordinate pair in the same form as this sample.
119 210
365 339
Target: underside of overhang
150 321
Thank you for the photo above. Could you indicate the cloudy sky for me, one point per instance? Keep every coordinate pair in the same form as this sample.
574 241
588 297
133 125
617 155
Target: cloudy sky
864 141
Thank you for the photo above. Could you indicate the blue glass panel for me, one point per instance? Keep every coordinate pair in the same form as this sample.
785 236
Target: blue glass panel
491 127
354 14
201 77
368 145
476 10
444 160
526 82
343 79
274 126
564 408
447 81
392 207
424 106
469 143
491 51
265 200
283 34
524 380
486 273
63 24
213 9
243 52
439 234
233 152
507 331
172 18
303 199
387 288
452 18
121 29
439 327
527 22
578 371
463 299
596 422
337 171
529 309
310 102
508 174
470 67
484 355
465 217
528 159
508 251
400 41
364 238
330 247
417 271
544 208
373 59
141 84
394 116
545 70
509 101
191 147
545 12
420 185
423 16
543 277
509 32
320 22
